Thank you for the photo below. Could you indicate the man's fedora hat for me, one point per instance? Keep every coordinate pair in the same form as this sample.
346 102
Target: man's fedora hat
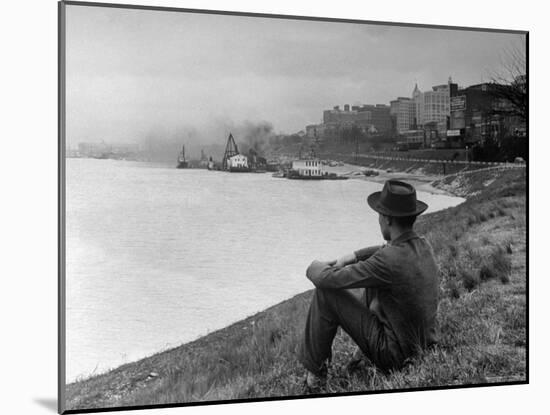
396 199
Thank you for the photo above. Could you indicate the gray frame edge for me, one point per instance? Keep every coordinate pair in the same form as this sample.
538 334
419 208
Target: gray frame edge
61 350
288 16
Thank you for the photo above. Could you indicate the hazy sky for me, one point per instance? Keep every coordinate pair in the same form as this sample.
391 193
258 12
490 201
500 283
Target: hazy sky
133 73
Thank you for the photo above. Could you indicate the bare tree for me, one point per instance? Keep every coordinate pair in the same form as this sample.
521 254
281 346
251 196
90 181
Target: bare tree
510 82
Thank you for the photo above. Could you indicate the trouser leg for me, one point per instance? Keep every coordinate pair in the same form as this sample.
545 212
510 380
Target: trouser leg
332 308
319 333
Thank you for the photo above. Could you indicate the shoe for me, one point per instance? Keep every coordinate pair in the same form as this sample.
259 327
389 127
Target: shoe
357 361
314 383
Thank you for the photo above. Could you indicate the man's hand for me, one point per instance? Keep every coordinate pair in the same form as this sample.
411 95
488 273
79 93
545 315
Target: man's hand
345 260
315 268
323 263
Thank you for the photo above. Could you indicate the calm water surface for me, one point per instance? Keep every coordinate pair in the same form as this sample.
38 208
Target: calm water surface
157 257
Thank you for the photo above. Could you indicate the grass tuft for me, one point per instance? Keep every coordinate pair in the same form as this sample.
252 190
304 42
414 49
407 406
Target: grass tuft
497 266
509 249
470 280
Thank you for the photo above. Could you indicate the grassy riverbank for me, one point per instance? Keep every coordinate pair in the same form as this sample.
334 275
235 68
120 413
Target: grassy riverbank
480 247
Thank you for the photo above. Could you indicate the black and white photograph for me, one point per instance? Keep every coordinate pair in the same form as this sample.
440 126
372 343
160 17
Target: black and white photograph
258 207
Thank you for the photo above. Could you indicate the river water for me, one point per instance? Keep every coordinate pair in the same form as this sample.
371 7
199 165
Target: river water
156 256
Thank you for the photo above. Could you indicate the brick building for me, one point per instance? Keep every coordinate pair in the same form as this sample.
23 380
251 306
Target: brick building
478 112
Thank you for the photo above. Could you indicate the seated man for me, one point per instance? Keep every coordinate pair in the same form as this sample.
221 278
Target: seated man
397 315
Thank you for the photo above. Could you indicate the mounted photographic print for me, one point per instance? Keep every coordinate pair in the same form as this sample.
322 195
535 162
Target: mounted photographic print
264 206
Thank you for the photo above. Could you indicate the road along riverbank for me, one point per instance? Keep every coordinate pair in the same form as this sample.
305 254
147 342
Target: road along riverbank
455 178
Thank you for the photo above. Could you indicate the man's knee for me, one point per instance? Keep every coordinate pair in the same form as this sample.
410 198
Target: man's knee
323 296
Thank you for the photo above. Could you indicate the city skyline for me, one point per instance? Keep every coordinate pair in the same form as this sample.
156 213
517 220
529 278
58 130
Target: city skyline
133 74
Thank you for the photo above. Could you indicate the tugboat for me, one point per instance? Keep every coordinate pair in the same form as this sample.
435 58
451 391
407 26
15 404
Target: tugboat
211 165
233 161
311 168
182 162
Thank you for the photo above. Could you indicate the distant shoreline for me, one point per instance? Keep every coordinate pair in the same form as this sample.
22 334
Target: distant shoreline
420 179
425 175
422 182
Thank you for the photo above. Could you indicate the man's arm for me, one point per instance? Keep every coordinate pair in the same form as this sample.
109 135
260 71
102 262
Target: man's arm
373 272
366 253
360 255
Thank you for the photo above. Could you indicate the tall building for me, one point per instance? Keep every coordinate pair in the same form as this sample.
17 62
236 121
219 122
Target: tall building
423 110
377 117
433 107
403 110
416 97
433 110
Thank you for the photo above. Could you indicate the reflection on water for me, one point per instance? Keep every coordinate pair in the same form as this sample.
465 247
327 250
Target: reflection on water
157 256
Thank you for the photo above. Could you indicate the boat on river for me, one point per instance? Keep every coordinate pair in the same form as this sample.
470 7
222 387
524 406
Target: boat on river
182 162
311 168
295 175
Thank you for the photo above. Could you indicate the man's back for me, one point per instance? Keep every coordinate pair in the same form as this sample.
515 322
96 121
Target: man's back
407 303
402 285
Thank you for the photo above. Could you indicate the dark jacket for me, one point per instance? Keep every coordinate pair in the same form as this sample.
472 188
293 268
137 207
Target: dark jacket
402 283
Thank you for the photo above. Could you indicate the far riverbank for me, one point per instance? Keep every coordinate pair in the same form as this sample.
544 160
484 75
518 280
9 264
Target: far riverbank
461 178
422 182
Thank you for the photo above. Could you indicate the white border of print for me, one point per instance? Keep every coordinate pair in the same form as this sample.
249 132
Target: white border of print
29 203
